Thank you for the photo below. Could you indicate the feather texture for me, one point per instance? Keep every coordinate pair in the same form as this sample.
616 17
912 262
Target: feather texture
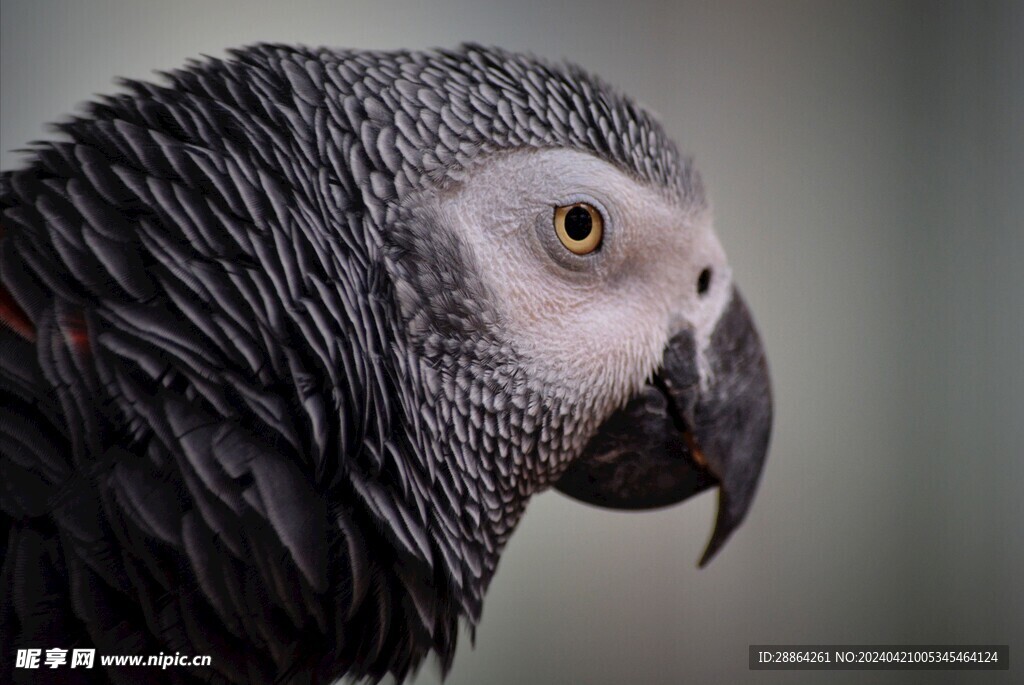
252 403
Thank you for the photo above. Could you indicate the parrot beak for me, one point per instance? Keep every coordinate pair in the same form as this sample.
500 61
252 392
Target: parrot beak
684 432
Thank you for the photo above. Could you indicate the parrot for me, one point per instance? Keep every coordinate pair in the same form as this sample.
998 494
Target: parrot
291 336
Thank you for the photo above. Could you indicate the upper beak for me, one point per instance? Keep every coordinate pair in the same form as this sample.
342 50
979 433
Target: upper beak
683 433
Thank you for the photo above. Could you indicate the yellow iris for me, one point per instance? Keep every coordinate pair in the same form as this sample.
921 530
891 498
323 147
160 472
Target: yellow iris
579 227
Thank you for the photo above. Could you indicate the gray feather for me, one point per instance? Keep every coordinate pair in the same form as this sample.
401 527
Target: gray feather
274 400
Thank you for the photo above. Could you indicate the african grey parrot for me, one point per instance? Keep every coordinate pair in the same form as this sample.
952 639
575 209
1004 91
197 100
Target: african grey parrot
289 342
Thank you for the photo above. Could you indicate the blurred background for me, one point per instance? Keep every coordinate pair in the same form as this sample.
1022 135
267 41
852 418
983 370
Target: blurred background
866 162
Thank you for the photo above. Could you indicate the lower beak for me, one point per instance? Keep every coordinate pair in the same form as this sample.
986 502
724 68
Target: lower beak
682 433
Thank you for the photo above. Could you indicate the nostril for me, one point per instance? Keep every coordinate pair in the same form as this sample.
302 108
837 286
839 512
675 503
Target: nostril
704 281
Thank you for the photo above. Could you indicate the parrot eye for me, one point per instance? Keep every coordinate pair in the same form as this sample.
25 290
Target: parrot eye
579 227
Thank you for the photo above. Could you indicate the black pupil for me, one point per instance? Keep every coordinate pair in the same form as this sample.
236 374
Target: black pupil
578 223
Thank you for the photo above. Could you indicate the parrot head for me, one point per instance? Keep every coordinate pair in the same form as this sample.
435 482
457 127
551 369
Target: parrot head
560 278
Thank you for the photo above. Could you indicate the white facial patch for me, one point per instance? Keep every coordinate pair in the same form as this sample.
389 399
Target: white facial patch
595 324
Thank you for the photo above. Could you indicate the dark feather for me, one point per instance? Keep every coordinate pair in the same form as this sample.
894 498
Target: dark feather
248 396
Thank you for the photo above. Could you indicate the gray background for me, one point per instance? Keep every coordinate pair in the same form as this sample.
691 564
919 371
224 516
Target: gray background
867 168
